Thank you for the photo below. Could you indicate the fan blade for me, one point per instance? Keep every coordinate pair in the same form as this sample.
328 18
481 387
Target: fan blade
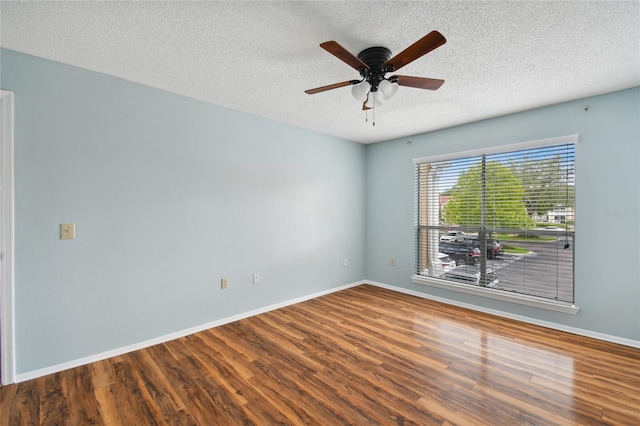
421 47
344 55
364 106
331 86
418 82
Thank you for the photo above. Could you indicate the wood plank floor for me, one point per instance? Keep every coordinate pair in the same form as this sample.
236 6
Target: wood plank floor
362 356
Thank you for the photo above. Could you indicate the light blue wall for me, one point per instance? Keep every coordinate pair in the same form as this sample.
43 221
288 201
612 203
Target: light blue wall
607 271
168 195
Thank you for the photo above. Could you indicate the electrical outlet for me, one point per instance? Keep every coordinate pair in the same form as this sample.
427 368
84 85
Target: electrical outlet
393 261
224 283
345 262
256 278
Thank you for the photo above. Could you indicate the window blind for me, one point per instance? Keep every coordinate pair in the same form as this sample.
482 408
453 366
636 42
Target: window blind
515 210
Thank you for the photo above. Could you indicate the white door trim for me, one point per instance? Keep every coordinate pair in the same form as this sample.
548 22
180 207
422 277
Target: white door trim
7 333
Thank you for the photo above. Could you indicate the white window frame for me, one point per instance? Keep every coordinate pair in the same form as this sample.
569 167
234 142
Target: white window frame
538 302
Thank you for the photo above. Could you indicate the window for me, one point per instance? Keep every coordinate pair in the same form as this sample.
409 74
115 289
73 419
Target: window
506 217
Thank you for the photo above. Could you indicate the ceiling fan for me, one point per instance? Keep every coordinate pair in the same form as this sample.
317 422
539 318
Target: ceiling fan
375 62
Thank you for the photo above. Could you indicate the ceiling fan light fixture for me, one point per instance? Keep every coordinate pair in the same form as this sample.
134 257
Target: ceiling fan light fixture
373 100
360 91
387 88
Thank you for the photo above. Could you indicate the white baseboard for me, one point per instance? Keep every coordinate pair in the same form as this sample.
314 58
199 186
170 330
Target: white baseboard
145 344
529 320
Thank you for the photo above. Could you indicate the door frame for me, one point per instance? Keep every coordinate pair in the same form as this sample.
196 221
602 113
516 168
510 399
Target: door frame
7 332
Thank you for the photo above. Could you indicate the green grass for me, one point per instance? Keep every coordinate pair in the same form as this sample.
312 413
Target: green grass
521 237
514 249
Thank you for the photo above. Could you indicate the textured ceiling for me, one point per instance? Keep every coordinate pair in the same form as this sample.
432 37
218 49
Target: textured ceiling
259 57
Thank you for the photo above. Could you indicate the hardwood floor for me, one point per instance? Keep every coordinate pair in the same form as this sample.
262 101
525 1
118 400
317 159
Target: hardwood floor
361 356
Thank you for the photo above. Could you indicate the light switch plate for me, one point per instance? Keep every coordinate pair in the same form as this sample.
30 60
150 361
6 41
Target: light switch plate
67 231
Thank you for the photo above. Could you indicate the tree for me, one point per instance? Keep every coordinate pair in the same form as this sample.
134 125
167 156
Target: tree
547 183
504 198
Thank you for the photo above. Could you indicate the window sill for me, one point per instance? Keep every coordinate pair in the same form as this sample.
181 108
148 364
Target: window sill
497 294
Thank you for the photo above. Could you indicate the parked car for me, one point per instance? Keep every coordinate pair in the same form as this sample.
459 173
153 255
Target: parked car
470 274
494 247
462 253
442 265
450 236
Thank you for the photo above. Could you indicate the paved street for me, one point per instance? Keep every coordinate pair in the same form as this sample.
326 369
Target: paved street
509 269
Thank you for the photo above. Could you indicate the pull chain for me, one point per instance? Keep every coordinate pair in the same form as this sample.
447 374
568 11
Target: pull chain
373 113
373 109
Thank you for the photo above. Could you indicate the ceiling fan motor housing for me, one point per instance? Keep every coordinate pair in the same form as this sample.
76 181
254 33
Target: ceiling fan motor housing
375 58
